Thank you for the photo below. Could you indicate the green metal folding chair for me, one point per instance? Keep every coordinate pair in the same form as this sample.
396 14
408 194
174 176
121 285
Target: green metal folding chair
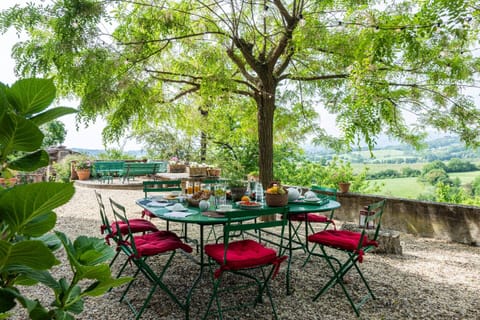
139 248
311 219
355 245
110 229
240 257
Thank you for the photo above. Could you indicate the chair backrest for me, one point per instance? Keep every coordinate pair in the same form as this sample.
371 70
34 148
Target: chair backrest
255 223
330 193
120 215
375 212
103 213
161 186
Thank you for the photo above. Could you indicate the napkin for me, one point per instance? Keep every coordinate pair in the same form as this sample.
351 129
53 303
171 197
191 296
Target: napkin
178 214
157 204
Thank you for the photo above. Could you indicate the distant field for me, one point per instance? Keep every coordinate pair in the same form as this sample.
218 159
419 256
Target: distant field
410 188
465 177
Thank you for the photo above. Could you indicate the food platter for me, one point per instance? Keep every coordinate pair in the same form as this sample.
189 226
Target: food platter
249 204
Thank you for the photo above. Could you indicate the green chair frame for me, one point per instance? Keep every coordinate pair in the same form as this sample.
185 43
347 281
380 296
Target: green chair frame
106 228
267 271
331 194
156 279
161 186
340 269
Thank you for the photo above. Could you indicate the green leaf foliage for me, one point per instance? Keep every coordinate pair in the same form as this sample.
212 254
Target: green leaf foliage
30 161
22 205
27 214
31 96
31 253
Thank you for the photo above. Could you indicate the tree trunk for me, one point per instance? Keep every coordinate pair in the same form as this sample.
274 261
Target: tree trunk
266 110
203 138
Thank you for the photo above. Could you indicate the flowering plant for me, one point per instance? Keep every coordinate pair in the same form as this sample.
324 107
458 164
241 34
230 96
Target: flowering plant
83 164
175 161
342 172
198 165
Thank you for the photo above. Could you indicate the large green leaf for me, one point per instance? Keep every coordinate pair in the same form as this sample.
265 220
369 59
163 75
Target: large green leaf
7 299
51 240
18 134
100 287
31 96
39 225
24 203
35 310
3 99
31 253
51 114
30 161
29 276
92 251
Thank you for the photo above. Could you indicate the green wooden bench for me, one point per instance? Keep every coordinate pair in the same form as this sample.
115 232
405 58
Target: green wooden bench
134 169
106 170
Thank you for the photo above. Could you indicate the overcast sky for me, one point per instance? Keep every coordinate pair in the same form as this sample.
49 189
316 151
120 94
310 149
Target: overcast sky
89 138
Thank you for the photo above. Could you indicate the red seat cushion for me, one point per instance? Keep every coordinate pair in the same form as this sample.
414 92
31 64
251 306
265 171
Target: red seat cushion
310 217
241 255
136 225
159 242
342 239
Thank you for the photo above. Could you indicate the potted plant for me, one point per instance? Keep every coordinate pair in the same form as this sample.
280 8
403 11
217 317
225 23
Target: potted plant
176 165
197 169
83 167
342 175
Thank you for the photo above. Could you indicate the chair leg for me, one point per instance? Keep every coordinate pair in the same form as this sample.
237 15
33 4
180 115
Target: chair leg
338 279
262 287
156 281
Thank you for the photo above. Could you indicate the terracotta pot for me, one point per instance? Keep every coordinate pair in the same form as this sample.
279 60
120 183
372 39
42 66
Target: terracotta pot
83 174
213 172
344 187
177 168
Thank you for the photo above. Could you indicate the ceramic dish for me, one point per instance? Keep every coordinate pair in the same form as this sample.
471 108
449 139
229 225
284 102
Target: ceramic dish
249 205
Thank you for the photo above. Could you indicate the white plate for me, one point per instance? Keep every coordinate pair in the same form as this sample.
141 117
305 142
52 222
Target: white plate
171 208
311 199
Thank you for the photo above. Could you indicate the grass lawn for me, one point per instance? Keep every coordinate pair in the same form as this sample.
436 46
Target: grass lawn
465 177
410 188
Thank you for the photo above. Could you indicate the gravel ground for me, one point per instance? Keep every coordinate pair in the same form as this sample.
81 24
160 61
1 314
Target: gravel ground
433 279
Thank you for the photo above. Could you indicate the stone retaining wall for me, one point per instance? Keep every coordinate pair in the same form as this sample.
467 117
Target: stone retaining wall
458 223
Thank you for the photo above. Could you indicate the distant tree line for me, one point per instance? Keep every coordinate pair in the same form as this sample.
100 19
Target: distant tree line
435 169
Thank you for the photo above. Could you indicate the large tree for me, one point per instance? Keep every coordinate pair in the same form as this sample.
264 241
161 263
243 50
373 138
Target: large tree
374 64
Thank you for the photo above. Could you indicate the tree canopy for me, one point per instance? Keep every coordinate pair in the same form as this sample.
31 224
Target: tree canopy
240 69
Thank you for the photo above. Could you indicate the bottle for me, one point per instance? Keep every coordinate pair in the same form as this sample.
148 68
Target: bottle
259 192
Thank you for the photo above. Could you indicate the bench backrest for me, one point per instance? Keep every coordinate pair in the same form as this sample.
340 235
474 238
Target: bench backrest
161 166
102 166
162 186
140 168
